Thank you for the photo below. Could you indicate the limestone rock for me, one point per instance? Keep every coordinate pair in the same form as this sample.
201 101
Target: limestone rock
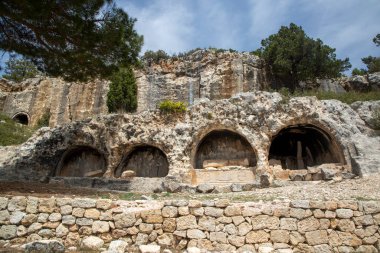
128 174
317 237
8 232
259 236
150 248
92 243
45 246
118 246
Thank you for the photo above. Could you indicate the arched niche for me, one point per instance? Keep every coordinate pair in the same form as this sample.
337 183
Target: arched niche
21 118
224 148
299 146
81 161
146 161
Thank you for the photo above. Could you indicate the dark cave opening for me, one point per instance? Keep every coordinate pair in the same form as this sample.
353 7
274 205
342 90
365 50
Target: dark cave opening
146 161
299 146
21 118
82 162
224 147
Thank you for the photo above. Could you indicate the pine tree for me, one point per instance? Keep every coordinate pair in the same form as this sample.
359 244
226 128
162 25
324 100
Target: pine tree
19 69
122 96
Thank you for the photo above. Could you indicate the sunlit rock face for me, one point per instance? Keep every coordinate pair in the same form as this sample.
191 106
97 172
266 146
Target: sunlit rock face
250 129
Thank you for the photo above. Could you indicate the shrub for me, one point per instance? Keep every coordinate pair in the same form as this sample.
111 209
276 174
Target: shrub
168 106
155 57
358 72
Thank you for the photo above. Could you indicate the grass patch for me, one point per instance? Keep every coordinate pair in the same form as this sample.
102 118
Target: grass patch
347 97
130 196
12 133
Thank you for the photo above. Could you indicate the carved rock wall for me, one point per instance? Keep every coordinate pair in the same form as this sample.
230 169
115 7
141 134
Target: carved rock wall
257 117
65 102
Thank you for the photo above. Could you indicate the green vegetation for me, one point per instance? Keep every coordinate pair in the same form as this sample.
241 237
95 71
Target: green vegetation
20 69
294 57
122 96
76 40
155 56
358 72
376 119
347 97
44 120
168 106
372 63
12 133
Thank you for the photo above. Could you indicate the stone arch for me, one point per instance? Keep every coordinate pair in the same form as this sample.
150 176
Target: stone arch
297 146
81 161
22 118
146 161
224 147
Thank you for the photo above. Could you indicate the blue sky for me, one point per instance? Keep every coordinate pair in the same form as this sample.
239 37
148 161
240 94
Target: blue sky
180 25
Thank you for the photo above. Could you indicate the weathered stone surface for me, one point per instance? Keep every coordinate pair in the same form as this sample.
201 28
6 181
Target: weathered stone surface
61 231
100 227
205 188
46 205
219 237
92 213
344 213
8 232
45 246
83 203
186 222
117 246
214 212
317 237
244 228
92 243
3 203
32 205
169 212
346 225
55 217
84 221
150 248
259 236
15 218
17 203
288 224
308 224
265 222
195 234
152 216
232 211
124 220
349 239
280 236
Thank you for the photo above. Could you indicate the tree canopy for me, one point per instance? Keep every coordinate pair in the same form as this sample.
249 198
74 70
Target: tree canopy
19 69
294 57
74 39
122 96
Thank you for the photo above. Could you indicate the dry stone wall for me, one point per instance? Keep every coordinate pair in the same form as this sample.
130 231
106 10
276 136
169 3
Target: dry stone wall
213 225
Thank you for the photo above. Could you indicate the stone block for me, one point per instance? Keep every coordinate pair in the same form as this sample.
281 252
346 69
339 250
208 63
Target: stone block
317 237
259 236
186 222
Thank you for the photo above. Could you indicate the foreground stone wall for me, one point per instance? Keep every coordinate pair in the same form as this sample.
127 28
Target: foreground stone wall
296 226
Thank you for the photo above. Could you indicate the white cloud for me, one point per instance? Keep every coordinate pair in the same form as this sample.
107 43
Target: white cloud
165 24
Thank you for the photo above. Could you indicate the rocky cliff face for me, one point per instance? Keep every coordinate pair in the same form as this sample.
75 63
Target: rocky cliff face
330 131
65 102
202 74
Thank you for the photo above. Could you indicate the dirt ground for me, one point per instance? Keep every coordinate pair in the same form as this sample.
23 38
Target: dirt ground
354 189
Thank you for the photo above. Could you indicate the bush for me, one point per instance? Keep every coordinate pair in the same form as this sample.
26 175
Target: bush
168 106
359 72
12 133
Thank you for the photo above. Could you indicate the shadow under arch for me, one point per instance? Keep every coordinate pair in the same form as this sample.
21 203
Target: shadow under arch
81 161
22 118
224 146
300 145
146 160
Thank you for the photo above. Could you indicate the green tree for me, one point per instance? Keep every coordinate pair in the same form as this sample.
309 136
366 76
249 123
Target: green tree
155 57
19 69
373 63
294 57
376 40
358 72
76 40
122 96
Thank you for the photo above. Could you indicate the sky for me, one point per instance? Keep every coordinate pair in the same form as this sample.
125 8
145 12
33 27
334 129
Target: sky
180 25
